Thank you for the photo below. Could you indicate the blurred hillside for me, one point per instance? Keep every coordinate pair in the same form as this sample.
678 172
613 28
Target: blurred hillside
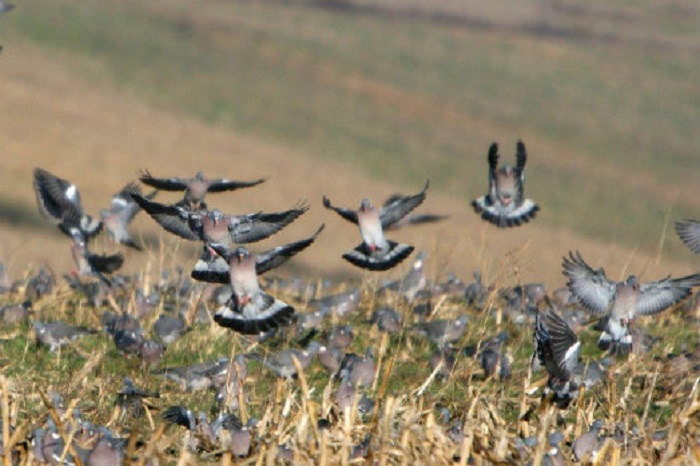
364 98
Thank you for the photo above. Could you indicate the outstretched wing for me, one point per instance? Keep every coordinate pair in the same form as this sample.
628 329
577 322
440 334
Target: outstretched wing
281 254
590 286
689 232
347 214
55 195
520 160
173 219
557 346
656 296
219 185
255 227
164 184
261 314
401 206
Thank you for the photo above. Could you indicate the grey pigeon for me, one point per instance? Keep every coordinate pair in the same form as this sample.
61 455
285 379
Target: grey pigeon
150 352
108 451
359 370
587 444
57 334
93 264
282 364
340 337
387 320
121 212
493 357
623 301
218 228
39 285
452 286
346 395
196 188
413 283
447 358
689 232
128 342
330 358
475 293
130 397
15 313
251 310
376 252
198 376
340 304
169 329
504 205
557 349
6 283
212 268
443 331
59 201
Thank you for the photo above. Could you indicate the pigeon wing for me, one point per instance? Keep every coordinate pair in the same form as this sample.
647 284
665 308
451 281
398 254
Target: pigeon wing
400 207
279 255
220 185
591 287
255 227
347 214
164 184
173 219
689 233
656 296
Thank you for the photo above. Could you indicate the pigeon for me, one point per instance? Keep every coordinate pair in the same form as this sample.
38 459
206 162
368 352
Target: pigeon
93 264
340 304
59 202
150 352
169 329
413 283
282 364
358 370
689 232
57 334
216 227
199 376
121 212
442 331
130 397
475 293
377 253
212 268
15 313
107 451
623 301
504 205
388 320
340 337
250 310
557 349
39 285
587 445
196 188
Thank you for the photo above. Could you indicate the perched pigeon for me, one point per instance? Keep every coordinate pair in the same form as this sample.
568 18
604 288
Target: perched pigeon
443 332
212 268
504 205
107 451
282 364
622 301
250 309
413 283
557 349
587 445
169 329
59 202
689 232
358 370
376 252
340 304
215 227
196 188
57 334
388 320
475 292
130 397
121 212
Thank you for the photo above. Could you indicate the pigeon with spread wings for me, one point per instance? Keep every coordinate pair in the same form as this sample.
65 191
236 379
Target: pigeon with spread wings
217 228
250 309
622 301
376 251
121 212
59 202
504 205
196 188
212 268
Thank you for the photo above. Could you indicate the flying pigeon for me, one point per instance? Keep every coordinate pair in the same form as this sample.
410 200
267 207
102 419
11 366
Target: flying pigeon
622 301
250 309
122 211
689 233
212 268
214 226
59 202
196 188
557 349
504 205
93 264
376 252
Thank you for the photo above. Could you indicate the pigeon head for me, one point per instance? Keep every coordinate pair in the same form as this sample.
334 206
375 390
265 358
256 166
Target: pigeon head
216 216
366 205
199 176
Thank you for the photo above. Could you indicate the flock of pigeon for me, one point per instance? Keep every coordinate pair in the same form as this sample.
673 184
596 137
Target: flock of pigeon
246 308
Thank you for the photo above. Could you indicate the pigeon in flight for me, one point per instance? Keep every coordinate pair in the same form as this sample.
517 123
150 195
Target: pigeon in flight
622 301
504 205
689 233
218 228
196 188
376 252
122 211
59 202
250 310
93 264
212 268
